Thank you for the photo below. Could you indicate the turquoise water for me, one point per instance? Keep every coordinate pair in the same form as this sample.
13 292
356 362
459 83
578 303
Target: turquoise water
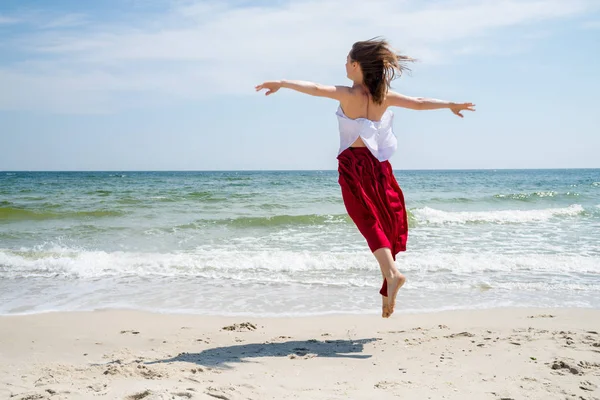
280 243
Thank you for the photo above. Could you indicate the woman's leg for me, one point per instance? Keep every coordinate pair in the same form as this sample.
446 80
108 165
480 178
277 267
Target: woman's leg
394 278
385 311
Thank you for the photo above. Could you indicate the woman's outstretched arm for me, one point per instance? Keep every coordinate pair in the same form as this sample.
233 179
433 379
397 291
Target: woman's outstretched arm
421 103
311 88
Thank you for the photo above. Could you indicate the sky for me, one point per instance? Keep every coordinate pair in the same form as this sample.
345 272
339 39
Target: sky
169 84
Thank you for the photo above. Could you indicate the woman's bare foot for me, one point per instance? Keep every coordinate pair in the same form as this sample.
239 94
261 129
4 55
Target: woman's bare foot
385 308
393 286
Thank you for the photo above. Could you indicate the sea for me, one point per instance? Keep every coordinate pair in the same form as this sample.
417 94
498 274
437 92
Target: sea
279 243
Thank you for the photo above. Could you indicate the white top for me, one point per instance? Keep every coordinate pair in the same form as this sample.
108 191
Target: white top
378 136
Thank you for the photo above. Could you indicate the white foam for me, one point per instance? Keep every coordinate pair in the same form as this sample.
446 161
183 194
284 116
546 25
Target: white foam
357 268
526 195
215 263
486 263
286 282
434 216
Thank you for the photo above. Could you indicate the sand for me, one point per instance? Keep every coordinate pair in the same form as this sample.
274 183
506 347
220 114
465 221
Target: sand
489 354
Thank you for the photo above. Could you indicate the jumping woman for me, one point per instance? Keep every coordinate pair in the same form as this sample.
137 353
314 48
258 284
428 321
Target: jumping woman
370 191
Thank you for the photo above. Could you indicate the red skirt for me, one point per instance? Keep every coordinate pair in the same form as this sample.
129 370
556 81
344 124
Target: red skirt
373 200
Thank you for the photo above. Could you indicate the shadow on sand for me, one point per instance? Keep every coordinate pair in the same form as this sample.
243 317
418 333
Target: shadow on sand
221 356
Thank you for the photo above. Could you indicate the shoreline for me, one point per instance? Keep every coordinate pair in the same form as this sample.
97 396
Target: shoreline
333 314
545 353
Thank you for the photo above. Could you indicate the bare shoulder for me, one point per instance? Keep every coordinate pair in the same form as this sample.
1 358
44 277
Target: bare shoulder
344 90
353 98
337 92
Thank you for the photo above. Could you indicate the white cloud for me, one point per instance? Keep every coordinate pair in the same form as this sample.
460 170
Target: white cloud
7 20
591 25
198 48
66 21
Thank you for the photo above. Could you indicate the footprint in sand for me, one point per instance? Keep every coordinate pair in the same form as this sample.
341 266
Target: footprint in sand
148 373
30 396
220 393
587 385
97 387
138 396
461 334
112 370
560 365
244 326
183 394
386 385
162 394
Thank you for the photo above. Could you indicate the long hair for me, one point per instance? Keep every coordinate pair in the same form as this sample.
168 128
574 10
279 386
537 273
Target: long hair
379 64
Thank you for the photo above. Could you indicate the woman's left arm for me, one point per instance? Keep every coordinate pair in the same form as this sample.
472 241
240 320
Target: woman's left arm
422 103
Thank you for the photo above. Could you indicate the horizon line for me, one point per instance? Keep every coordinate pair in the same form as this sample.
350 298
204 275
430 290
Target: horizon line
304 170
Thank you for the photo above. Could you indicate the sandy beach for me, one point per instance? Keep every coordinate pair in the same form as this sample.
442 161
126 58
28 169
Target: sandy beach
487 354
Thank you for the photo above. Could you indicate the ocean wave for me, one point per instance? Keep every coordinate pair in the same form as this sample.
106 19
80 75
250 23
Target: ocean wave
271 221
453 200
506 198
129 200
307 267
269 206
210 197
32 198
22 214
199 195
99 192
277 221
535 195
64 262
433 216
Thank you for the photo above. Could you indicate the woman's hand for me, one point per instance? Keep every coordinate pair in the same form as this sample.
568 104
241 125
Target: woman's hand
271 87
457 108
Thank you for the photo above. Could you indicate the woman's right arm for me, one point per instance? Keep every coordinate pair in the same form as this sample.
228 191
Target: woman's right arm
314 89
422 103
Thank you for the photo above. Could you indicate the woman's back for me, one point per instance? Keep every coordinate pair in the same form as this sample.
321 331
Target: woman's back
360 105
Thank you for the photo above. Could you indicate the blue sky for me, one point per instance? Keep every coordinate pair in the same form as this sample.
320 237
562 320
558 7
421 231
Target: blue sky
169 84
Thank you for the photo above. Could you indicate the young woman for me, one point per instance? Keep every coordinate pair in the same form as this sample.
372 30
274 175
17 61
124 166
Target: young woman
370 191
